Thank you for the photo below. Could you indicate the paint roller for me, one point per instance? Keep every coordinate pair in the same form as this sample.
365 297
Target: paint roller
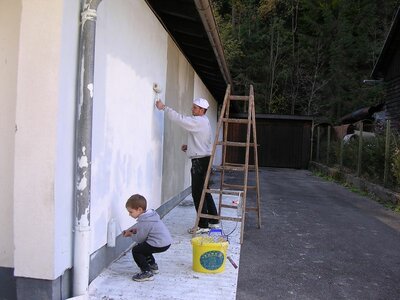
157 90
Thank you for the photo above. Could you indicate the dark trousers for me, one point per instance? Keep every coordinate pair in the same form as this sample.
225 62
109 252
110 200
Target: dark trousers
199 172
143 255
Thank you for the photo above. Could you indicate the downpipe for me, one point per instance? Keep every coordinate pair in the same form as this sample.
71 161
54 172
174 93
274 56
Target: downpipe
83 151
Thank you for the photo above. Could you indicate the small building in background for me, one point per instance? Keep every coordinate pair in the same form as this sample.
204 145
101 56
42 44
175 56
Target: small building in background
387 69
284 141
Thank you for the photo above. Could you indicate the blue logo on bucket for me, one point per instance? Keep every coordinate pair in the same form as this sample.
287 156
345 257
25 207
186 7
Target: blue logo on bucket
212 260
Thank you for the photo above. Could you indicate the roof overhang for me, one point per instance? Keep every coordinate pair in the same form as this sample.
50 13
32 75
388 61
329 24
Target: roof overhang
192 26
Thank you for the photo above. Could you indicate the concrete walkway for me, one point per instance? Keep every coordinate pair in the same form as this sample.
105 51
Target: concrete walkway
318 240
176 279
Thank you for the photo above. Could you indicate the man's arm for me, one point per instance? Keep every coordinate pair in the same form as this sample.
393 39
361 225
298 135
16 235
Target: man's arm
186 122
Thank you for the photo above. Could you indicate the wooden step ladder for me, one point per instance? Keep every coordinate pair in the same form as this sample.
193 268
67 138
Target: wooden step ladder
240 169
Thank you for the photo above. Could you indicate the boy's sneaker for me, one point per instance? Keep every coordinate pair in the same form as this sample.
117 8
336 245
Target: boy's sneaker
214 225
198 230
143 276
154 268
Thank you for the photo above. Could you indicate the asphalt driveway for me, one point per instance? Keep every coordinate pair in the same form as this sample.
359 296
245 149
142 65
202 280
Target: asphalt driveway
318 240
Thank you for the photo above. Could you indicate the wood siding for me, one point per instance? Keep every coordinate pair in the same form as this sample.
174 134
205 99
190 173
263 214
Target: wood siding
283 143
393 102
393 67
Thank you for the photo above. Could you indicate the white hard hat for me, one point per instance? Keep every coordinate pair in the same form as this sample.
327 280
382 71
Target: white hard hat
203 103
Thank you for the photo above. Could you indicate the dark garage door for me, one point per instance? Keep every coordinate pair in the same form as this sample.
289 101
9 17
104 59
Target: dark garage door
284 141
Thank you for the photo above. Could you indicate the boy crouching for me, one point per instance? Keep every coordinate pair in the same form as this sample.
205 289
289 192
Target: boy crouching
150 234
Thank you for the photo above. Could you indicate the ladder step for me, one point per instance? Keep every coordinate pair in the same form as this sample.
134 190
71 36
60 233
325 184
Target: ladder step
238 186
252 208
229 206
250 167
230 168
238 121
242 98
237 219
238 144
223 192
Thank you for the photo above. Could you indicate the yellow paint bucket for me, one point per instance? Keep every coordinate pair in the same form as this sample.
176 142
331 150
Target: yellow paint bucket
209 255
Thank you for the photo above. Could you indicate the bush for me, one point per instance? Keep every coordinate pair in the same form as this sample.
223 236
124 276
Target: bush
350 155
372 158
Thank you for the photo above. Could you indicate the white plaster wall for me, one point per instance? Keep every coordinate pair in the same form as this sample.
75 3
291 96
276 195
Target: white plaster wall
131 54
10 11
178 96
183 85
35 140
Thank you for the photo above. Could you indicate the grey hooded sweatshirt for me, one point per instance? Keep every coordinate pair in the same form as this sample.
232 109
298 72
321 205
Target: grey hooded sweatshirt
152 230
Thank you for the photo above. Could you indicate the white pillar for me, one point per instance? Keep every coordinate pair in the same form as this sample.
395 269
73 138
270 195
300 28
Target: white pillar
36 139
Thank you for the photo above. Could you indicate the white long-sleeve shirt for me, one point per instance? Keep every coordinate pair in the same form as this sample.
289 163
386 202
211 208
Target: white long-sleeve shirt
199 129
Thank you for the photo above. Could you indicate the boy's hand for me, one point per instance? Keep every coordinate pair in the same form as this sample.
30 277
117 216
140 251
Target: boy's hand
129 232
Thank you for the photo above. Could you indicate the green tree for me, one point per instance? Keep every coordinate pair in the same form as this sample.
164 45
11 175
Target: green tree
305 56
